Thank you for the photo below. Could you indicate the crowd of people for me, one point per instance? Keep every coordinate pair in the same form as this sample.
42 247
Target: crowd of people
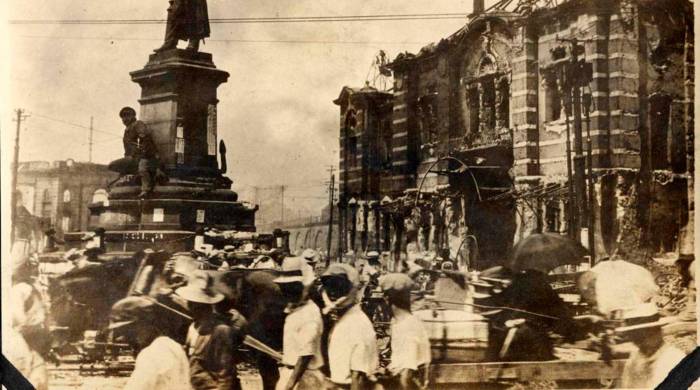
329 342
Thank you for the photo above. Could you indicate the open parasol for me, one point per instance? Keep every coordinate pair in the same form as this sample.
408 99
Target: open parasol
620 284
545 251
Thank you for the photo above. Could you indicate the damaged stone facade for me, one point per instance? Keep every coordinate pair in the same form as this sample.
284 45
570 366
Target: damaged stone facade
474 145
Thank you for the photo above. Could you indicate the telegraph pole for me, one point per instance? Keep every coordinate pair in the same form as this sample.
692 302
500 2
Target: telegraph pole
579 158
576 74
282 187
587 102
331 194
256 189
15 166
90 142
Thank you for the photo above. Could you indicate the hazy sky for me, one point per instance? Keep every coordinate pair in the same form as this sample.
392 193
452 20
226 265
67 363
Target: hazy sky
275 112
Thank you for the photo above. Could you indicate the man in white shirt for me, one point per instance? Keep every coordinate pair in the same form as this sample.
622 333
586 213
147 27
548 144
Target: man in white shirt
371 267
303 327
352 347
161 363
28 340
410 346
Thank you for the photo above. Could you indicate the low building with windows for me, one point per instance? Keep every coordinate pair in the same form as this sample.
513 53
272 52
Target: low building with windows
573 117
60 192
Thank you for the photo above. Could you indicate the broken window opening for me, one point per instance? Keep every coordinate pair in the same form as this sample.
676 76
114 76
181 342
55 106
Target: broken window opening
387 138
473 94
552 100
428 122
659 114
552 216
503 109
488 105
351 135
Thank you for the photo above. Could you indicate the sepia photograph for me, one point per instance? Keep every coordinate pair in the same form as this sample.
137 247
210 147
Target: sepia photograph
328 195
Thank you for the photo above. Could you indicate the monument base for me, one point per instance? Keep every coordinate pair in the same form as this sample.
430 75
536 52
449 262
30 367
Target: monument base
178 104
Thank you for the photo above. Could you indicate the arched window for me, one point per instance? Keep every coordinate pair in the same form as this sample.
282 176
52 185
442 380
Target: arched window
351 135
66 196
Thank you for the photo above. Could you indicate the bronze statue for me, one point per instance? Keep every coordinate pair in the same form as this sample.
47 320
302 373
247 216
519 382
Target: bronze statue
188 20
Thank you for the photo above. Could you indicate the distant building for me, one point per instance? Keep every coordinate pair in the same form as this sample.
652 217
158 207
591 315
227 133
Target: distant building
492 126
60 192
312 232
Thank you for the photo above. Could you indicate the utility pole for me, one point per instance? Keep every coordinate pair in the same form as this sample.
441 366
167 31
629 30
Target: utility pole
331 195
90 141
579 158
282 196
587 103
563 76
15 166
645 146
573 227
261 220
576 75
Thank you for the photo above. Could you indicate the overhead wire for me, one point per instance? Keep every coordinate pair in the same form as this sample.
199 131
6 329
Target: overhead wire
250 20
281 41
33 113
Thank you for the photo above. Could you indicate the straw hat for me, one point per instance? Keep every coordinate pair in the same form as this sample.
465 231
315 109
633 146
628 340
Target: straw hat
295 269
263 262
641 317
342 269
200 289
131 310
310 255
396 282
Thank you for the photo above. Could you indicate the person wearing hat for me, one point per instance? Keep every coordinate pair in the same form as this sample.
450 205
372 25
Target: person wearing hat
369 274
263 262
26 229
303 327
654 359
410 346
52 241
210 338
29 342
311 257
352 346
161 363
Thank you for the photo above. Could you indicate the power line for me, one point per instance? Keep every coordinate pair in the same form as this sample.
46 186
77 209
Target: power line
74 124
90 142
282 41
276 19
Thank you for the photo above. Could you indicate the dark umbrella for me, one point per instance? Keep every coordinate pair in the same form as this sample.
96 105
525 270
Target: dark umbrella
546 251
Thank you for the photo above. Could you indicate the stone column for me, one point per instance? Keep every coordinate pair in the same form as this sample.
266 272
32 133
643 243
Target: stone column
523 103
386 221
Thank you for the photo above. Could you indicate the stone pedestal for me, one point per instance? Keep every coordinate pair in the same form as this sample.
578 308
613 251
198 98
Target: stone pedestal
178 103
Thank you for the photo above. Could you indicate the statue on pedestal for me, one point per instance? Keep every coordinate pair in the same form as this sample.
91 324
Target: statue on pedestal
188 20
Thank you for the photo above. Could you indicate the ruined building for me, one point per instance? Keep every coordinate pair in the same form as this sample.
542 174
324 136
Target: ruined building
59 193
572 117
